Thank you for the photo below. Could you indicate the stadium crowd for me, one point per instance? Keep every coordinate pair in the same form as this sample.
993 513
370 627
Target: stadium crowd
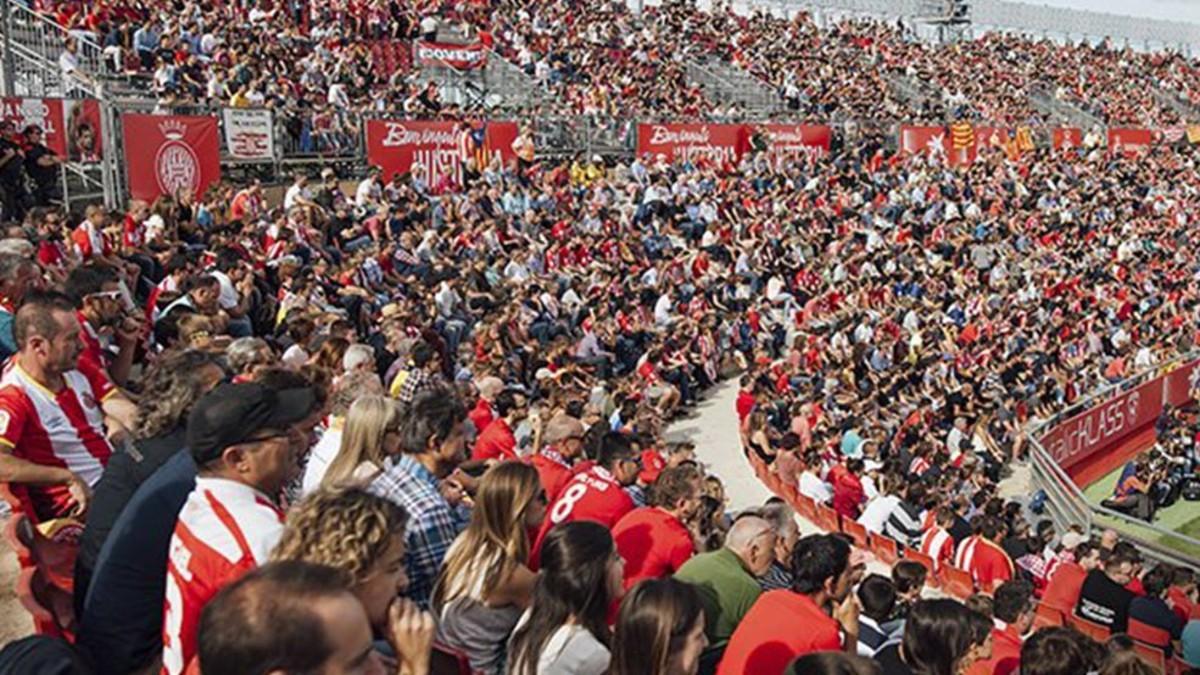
392 427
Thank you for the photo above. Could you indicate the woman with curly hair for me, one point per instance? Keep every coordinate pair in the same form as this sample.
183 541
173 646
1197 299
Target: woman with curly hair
486 582
170 389
356 532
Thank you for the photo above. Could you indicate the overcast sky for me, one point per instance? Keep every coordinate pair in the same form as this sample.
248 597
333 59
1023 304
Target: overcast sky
1172 10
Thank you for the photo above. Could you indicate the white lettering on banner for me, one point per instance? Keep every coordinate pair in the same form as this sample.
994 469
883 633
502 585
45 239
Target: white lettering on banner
660 135
398 134
26 111
427 52
1087 431
438 164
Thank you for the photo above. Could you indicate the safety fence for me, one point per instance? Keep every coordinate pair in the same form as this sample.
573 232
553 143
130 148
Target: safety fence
1099 433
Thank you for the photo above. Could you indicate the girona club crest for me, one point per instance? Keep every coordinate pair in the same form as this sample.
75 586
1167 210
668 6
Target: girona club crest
176 165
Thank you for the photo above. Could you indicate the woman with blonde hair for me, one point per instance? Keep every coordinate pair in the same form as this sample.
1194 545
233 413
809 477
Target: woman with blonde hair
486 582
362 535
369 435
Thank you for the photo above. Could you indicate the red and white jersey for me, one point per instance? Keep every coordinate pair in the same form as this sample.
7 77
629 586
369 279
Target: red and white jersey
966 552
590 495
225 530
63 429
938 544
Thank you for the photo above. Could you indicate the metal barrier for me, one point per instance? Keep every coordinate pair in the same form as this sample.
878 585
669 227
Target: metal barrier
1068 505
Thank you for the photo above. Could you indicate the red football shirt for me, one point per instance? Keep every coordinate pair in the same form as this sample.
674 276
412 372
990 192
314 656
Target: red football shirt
496 442
481 415
653 543
590 495
553 471
1065 586
1006 654
781 626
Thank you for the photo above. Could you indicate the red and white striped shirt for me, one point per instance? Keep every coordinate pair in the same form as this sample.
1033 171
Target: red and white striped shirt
225 530
63 429
938 544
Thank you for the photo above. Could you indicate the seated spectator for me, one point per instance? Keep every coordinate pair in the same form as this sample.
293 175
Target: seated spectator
431 446
905 524
937 542
598 493
244 441
783 521
727 579
982 556
1066 576
367 436
879 509
357 533
565 629
1103 598
486 582
496 441
877 596
654 540
483 413
1152 608
171 388
563 439
660 630
941 637
1059 651
300 617
811 483
833 663
1013 612
766 640
909 577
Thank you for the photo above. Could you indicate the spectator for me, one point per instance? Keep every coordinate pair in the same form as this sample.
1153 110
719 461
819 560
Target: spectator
171 389
565 628
766 641
654 540
904 524
486 582
982 555
726 579
660 630
302 617
496 441
877 596
937 542
243 440
1013 618
783 521
483 413
1059 651
832 663
563 438
431 446
97 293
370 435
596 493
880 508
941 637
18 276
1066 577
1103 598
1152 609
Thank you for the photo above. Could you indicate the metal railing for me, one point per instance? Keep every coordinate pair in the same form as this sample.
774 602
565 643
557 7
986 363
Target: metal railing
724 82
1187 111
1065 113
1068 505
36 44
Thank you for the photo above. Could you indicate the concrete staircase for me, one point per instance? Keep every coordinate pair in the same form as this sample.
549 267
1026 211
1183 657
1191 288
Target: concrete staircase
1061 112
724 83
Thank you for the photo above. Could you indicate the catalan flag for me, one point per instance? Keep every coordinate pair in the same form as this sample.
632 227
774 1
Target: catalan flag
1193 134
962 136
1025 139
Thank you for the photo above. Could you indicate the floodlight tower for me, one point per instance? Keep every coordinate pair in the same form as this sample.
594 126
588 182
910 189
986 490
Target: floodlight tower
951 18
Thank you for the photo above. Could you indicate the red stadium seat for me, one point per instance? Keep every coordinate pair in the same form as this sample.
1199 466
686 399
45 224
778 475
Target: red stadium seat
957 583
448 661
827 519
1046 616
857 532
52 608
806 507
913 554
1151 635
1091 629
1153 656
884 548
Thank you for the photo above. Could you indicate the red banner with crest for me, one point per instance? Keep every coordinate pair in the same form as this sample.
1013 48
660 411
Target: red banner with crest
704 143
1067 138
433 150
165 154
1129 141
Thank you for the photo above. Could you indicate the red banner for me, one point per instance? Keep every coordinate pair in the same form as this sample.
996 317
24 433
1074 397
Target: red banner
432 148
938 141
1104 427
717 143
85 142
1067 138
168 153
46 113
788 141
462 57
1181 382
1129 141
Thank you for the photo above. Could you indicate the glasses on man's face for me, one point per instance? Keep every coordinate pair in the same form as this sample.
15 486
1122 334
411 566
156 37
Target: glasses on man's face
105 295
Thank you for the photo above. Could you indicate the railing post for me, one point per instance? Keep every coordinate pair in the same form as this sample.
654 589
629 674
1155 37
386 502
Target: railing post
8 59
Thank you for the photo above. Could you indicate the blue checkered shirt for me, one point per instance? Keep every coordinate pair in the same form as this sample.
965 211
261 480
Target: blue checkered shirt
432 522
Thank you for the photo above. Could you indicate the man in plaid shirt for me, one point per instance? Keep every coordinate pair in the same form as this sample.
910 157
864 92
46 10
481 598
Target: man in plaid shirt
423 376
432 446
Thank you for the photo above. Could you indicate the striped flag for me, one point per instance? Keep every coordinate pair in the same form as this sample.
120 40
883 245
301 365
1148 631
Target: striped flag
962 136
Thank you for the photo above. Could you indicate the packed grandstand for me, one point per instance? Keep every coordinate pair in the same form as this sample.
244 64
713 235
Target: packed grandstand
413 413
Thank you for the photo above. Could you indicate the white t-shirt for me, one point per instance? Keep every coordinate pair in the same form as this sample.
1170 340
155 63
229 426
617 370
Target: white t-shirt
228 299
293 193
877 512
319 459
813 487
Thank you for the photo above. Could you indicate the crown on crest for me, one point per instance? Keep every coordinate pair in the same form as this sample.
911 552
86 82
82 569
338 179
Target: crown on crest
173 129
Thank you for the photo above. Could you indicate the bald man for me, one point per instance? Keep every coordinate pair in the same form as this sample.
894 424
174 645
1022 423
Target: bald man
728 578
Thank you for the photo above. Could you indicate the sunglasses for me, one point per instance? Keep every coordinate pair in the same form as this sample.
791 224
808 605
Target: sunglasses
111 295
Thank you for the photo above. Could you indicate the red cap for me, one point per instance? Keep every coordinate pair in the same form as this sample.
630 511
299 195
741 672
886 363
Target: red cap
652 465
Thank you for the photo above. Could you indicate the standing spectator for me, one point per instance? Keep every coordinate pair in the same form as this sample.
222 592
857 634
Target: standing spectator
1103 597
1066 578
767 639
53 445
431 446
42 167
653 540
660 630
299 617
565 629
563 439
727 578
597 494
244 443
486 582
1013 610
